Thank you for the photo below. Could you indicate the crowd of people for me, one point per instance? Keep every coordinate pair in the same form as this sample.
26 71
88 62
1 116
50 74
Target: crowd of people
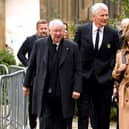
61 72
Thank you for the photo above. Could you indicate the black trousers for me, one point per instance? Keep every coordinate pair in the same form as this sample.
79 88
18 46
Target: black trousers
52 116
100 97
32 117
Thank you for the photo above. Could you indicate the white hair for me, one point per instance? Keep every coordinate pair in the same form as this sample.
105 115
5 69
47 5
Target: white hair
55 22
98 6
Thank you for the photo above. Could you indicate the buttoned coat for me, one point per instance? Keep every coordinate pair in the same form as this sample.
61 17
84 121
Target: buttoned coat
103 61
69 74
123 77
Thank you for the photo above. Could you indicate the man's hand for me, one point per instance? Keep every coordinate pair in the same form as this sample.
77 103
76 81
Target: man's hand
26 91
75 95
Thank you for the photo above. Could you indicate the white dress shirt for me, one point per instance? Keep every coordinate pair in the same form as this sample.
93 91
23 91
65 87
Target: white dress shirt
94 32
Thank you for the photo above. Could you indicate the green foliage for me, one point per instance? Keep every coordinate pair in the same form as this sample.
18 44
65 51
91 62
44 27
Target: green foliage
6 57
72 29
123 12
124 6
113 114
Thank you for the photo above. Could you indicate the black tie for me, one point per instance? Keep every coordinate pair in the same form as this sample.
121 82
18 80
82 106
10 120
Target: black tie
97 41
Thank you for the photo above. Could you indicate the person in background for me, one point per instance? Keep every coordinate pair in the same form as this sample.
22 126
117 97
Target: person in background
26 48
98 43
24 56
123 27
66 35
55 69
121 74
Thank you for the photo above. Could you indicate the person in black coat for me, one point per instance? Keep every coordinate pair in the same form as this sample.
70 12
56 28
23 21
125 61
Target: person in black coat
55 69
26 48
24 56
97 65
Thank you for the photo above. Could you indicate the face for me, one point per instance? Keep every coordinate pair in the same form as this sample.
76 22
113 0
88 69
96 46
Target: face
42 30
123 26
101 18
57 33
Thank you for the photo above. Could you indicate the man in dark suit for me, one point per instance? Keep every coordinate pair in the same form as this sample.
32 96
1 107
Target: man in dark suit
55 69
98 45
24 56
26 48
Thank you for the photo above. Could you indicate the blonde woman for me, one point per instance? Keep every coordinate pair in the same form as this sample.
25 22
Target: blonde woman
121 74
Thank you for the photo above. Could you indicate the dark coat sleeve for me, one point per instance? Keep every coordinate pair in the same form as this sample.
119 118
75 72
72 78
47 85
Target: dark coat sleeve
25 50
22 52
30 73
78 72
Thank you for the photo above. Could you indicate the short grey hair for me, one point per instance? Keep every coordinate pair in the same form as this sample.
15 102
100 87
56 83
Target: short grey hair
56 22
98 6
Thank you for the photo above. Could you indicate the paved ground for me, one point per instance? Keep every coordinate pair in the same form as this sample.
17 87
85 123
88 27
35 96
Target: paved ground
112 125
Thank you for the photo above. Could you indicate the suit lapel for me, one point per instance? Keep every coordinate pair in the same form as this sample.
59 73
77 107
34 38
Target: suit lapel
105 37
45 50
90 35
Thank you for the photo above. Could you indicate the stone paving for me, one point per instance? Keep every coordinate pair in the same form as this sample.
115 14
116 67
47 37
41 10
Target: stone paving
112 125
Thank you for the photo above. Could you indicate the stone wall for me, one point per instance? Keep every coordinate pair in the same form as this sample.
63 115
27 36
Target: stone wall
2 24
67 10
76 11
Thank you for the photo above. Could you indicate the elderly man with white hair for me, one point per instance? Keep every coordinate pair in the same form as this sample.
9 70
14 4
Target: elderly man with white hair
55 69
98 45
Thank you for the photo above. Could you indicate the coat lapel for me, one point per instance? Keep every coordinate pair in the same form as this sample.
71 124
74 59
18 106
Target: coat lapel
90 35
45 50
64 52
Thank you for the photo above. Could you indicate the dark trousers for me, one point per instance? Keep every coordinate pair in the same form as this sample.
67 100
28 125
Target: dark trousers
52 116
100 95
32 117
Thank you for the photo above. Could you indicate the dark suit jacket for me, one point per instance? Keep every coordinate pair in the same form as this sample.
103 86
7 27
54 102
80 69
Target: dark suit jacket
102 62
25 49
69 74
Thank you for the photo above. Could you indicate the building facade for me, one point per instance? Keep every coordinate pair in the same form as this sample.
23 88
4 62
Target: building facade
2 24
72 11
75 11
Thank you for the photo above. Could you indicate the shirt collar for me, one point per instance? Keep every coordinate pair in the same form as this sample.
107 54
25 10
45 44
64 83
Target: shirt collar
95 28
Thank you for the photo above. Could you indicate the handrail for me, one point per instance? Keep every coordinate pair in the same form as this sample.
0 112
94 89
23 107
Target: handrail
5 68
13 104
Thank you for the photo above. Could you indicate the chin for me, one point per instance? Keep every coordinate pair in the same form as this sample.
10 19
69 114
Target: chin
104 24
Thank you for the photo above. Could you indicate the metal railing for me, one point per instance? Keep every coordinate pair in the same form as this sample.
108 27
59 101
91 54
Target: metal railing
13 104
3 69
14 68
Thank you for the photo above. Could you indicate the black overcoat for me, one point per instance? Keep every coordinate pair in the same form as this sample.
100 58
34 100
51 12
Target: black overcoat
69 74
